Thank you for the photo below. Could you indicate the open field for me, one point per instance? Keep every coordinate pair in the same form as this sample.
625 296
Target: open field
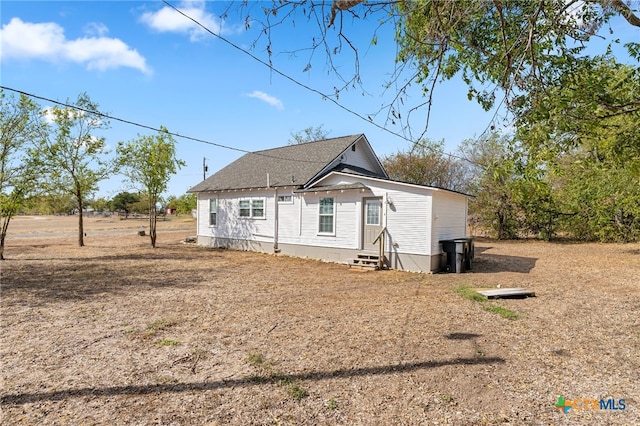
119 333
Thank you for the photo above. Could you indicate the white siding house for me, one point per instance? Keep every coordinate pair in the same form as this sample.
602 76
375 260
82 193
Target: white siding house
328 200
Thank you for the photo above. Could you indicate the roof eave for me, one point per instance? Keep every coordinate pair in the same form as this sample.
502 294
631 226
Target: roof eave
413 185
245 189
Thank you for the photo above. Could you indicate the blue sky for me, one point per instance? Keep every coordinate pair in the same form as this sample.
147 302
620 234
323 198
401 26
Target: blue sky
143 62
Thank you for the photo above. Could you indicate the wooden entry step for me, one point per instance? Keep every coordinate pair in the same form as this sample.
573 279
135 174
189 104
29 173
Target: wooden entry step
366 260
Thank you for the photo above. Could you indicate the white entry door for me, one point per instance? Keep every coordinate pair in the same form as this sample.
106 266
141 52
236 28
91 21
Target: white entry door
371 222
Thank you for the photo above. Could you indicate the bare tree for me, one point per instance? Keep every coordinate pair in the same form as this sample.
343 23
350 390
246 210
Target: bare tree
310 134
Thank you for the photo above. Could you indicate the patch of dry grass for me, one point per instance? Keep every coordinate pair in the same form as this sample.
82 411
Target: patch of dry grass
333 347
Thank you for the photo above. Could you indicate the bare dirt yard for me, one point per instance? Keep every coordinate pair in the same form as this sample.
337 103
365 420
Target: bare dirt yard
118 333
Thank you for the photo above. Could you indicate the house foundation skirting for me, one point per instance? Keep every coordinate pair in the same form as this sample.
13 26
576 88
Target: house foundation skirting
395 260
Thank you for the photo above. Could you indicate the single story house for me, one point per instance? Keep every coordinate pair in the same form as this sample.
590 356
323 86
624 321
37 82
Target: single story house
330 200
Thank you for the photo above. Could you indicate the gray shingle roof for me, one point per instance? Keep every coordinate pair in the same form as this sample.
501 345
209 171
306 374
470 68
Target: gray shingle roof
301 162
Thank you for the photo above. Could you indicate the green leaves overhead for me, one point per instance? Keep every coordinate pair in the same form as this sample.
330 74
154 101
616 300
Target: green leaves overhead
499 47
593 110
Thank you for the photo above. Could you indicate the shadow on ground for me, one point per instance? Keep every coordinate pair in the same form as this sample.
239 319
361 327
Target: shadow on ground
46 280
489 263
28 398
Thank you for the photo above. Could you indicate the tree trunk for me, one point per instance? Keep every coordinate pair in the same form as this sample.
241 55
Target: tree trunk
550 227
152 222
3 234
500 225
80 224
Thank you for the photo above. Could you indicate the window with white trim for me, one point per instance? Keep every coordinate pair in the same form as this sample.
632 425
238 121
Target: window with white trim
285 199
326 216
213 211
253 208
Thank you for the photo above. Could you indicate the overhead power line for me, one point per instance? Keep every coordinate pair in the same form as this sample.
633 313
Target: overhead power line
219 145
298 83
286 76
155 129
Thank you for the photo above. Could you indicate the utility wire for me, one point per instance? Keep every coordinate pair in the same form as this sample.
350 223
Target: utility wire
266 64
144 126
298 83
282 74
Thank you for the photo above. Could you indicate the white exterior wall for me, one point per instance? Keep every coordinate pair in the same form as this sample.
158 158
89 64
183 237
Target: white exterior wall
203 214
416 218
288 217
229 223
408 221
299 225
297 222
449 218
407 216
358 158
361 157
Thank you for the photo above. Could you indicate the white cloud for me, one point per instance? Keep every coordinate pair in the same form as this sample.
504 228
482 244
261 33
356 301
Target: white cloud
25 40
169 20
46 41
49 114
96 28
104 53
273 101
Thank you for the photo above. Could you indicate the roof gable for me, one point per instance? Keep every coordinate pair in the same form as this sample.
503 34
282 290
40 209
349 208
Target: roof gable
295 165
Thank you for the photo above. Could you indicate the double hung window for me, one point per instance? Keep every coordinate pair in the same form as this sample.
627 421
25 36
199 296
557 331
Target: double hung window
326 214
253 208
213 211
